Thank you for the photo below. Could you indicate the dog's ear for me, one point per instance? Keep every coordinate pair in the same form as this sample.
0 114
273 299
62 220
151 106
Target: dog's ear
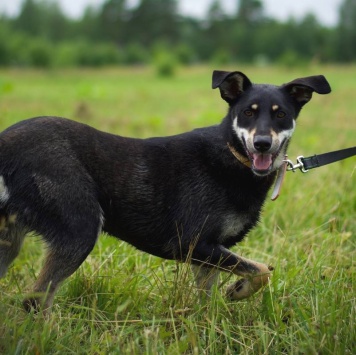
231 84
302 89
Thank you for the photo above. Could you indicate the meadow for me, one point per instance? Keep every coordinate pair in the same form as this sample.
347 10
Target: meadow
122 301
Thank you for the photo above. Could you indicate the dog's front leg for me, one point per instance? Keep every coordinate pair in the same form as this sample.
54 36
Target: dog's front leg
205 278
255 275
251 282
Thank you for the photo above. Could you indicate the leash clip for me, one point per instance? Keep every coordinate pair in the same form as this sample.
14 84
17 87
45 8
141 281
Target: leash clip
299 165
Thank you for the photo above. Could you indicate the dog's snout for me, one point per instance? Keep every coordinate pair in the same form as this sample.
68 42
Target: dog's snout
262 143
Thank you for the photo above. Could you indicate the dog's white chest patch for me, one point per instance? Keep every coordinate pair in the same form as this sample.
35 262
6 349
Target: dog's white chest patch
232 226
4 192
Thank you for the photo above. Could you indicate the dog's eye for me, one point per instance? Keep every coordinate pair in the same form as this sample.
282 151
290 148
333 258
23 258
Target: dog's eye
281 114
248 113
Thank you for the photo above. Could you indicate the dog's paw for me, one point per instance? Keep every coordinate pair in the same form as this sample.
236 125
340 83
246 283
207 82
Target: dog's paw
239 290
246 287
33 304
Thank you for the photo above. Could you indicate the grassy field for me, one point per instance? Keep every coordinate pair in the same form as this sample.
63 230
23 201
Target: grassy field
122 301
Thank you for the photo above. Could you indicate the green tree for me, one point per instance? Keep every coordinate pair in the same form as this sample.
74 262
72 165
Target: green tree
30 20
5 52
88 25
311 38
246 29
111 20
115 33
56 25
250 11
213 41
346 32
152 21
43 18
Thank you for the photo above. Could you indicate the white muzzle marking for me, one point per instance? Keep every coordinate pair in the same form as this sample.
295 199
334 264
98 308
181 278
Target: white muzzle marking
247 136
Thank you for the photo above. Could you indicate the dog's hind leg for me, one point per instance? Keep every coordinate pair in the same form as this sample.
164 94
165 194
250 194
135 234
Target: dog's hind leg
11 239
61 261
59 264
69 243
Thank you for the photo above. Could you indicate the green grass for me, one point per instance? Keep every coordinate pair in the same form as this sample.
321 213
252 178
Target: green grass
124 301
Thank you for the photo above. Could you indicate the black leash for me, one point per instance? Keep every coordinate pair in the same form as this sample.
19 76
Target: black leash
305 164
315 161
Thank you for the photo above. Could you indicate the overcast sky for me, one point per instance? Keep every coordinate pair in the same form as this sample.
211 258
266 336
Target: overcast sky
325 10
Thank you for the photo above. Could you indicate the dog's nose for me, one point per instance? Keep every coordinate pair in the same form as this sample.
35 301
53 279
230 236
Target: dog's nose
262 143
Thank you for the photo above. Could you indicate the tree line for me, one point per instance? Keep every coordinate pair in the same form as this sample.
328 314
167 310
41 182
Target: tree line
42 35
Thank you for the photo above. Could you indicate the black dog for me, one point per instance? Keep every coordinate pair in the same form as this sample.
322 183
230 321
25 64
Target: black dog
195 194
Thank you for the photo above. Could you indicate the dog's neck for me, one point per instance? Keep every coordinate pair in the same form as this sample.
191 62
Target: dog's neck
242 159
233 143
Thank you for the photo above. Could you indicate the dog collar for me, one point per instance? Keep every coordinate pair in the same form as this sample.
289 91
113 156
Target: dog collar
242 159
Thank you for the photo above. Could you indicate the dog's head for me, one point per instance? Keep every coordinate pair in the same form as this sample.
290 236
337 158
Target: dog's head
262 117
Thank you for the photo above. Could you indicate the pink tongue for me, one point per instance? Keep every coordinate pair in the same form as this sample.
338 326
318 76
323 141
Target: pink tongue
262 161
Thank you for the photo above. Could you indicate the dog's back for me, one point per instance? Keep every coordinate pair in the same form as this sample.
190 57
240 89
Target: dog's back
157 194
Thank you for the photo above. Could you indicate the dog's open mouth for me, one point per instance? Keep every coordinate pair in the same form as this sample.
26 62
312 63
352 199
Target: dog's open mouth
262 162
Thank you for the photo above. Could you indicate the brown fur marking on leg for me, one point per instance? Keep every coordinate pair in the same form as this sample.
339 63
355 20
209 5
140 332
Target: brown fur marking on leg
52 273
59 265
251 282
